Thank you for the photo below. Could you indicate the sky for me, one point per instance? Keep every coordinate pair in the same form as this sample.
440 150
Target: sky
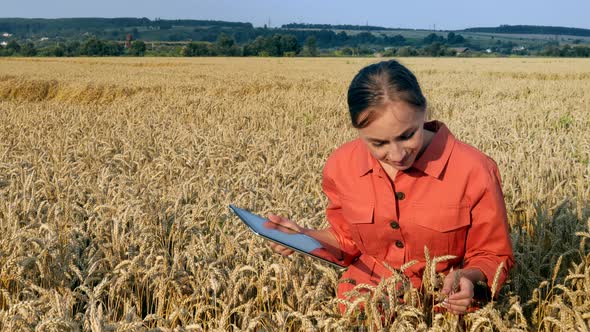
414 14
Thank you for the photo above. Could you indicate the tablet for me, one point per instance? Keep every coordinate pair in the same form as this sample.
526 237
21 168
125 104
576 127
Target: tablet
297 241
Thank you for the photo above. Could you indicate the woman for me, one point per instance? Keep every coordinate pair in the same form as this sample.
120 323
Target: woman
405 184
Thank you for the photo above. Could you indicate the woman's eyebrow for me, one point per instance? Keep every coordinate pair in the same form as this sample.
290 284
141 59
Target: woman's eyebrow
405 133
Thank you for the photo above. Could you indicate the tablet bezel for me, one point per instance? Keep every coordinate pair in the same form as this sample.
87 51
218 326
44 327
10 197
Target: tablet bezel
246 222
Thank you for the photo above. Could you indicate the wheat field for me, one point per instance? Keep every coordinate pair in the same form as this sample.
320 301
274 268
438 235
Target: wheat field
116 175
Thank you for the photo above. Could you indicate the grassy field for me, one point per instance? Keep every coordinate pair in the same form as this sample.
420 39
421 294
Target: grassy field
115 176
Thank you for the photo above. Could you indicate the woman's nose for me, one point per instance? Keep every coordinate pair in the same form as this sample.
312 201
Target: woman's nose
396 153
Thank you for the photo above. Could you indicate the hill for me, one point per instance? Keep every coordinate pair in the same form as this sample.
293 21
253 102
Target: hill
532 30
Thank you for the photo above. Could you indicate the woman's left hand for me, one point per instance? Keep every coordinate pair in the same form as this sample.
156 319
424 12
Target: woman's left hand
459 290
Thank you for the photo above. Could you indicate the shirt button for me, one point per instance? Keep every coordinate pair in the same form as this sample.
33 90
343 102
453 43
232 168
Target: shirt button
394 225
400 195
399 244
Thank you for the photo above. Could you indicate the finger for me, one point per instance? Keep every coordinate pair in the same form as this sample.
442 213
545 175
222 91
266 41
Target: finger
282 224
463 303
287 252
277 247
465 290
455 308
464 294
448 284
270 224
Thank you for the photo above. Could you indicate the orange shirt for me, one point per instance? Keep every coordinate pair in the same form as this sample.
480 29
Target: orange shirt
450 200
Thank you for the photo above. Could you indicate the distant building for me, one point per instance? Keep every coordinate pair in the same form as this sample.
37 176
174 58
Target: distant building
489 50
6 35
461 50
518 49
128 40
4 44
44 38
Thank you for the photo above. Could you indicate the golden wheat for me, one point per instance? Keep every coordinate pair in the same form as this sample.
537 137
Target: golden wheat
115 176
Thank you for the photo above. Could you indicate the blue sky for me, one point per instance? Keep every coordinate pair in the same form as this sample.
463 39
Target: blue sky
446 15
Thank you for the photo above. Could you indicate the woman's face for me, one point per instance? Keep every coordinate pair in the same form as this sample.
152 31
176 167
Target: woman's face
396 135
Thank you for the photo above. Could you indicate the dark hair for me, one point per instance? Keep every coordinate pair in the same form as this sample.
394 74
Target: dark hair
378 83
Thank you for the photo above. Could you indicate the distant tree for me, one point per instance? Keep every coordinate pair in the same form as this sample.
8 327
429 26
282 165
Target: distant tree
310 48
366 38
406 51
434 49
112 48
341 37
581 51
397 40
551 50
135 33
288 44
92 47
347 51
28 49
433 38
226 45
197 49
72 48
452 38
13 46
138 48
389 52
255 47
275 45
96 47
57 51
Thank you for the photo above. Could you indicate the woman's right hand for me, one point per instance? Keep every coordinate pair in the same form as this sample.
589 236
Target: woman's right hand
286 226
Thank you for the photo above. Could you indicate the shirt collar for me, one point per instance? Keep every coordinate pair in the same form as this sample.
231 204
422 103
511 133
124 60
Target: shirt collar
432 161
436 156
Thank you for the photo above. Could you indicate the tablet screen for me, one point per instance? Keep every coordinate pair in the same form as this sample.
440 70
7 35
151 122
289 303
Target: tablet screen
296 241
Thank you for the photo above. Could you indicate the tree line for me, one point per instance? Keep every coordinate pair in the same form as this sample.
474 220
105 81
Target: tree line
90 47
277 45
533 29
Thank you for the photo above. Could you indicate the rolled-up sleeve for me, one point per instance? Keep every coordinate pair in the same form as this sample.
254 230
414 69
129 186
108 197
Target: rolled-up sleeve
338 225
488 242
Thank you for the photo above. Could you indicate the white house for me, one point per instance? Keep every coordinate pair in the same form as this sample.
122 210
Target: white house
4 43
6 35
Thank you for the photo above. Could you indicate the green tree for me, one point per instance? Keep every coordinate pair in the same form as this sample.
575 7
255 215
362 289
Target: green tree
288 44
226 45
28 49
434 49
92 47
72 48
433 38
138 48
276 45
13 47
406 51
452 38
310 47
112 48
197 49
57 51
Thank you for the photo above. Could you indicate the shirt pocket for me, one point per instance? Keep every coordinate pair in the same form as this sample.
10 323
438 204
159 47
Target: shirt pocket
363 230
442 229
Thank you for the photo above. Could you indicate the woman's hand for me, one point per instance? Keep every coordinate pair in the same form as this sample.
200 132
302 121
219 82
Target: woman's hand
458 286
286 226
